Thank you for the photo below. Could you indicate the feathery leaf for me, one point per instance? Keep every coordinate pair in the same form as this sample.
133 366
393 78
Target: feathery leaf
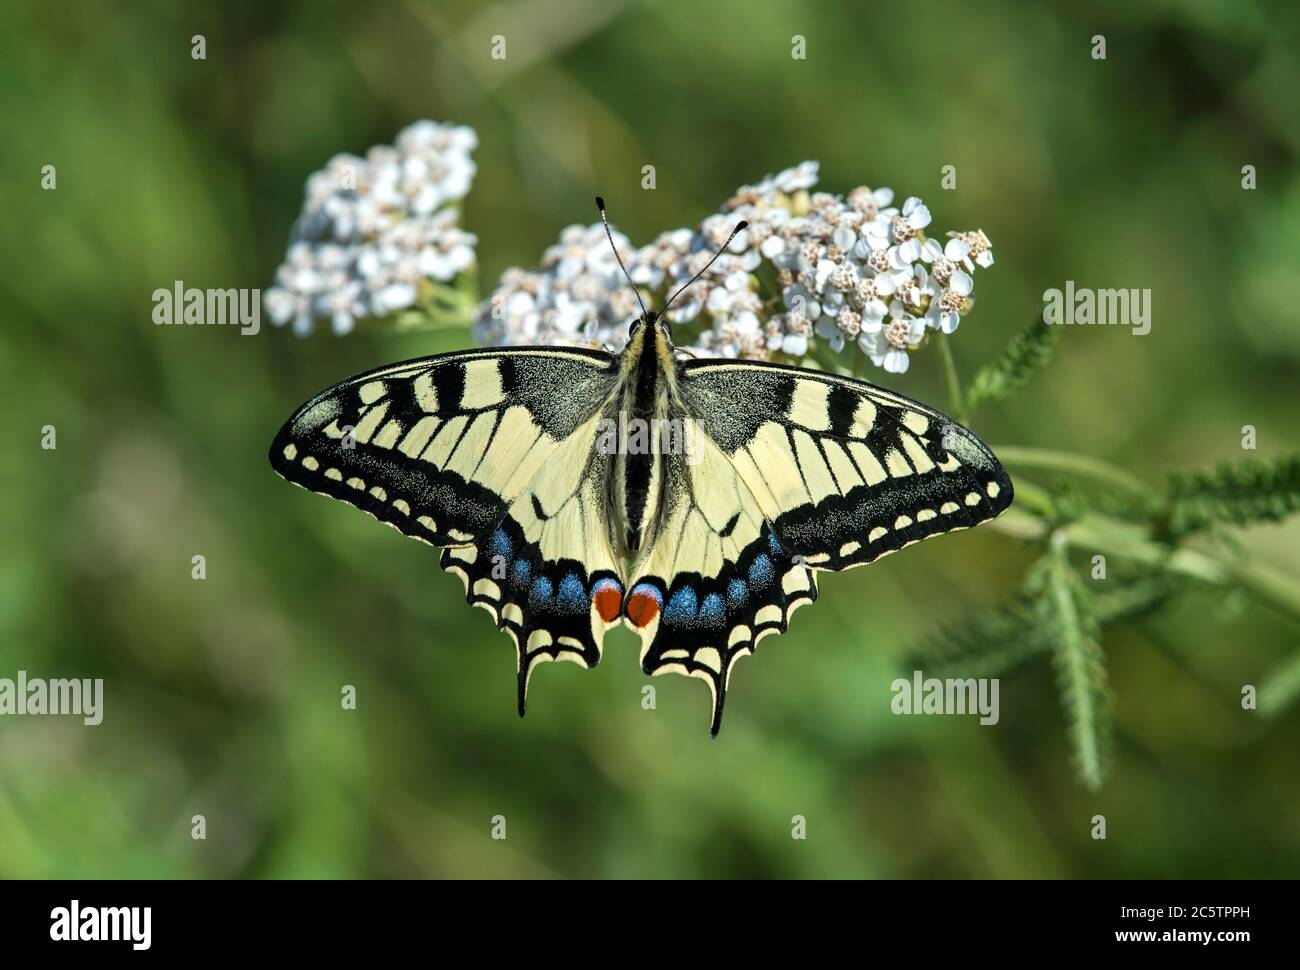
983 644
991 642
1026 354
1239 493
1065 607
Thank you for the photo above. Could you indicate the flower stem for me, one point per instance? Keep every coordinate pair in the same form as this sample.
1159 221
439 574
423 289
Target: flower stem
956 403
1068 463
820 352
859 359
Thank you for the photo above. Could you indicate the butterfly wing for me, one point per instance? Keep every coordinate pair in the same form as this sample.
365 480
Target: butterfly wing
846 471
491 455
815 471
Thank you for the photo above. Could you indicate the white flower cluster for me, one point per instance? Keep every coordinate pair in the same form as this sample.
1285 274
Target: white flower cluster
578 297
847 269
373 228
808 267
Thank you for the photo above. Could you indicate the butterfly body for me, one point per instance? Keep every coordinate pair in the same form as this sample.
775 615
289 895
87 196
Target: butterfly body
643 397
526 466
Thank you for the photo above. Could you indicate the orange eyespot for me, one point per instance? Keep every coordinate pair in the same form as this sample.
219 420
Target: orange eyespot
609 602
643 605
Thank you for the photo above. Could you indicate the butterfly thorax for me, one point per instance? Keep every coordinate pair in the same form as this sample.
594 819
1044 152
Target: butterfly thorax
643 411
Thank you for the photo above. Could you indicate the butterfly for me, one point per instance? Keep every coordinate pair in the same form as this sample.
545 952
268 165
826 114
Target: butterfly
692 500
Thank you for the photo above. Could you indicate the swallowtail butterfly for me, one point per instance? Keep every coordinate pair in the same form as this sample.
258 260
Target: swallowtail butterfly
525 465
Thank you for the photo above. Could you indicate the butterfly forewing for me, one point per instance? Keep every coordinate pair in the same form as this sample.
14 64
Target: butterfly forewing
844 470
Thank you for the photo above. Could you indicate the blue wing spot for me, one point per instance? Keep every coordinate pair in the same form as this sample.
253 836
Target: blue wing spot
681 607
773 544
541 593
606 583
646 589
760 571
737 593
712 612
572 595
500 544
521 572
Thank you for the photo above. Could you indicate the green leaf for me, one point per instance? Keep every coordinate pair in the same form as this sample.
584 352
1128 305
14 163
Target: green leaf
1064 605
1026 354
1239 493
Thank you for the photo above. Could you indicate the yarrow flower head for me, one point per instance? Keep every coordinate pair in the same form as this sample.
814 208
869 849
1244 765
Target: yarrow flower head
577 297
812 272
374 230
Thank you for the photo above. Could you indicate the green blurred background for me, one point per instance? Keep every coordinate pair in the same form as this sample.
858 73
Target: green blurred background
222 696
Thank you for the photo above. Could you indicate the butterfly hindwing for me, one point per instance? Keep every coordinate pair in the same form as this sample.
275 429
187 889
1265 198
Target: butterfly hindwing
546 571
716 579
489 454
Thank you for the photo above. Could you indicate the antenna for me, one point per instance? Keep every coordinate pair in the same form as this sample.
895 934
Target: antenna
600 204
739 226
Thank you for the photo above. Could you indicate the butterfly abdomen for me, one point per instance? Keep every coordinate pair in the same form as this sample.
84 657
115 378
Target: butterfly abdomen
642 409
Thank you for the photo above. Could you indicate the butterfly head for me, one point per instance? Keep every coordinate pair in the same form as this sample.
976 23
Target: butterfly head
649 319
658 322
